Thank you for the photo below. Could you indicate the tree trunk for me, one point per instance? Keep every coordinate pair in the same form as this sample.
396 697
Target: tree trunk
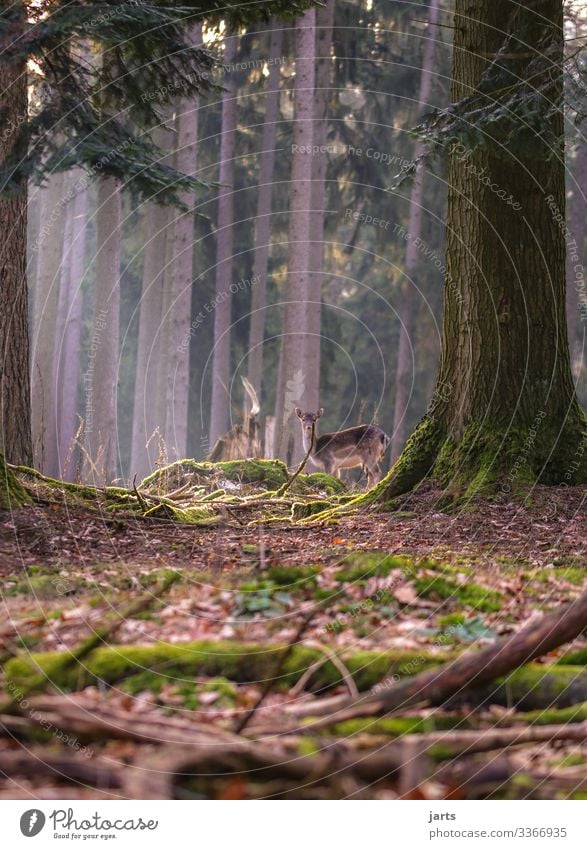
101 378
68 351
15 422
263 220
224 250
294 381
504 408
146 413
576 293
181 278
408 290
46 298
324 67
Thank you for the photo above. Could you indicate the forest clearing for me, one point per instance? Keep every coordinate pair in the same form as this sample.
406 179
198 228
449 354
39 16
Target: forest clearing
293 467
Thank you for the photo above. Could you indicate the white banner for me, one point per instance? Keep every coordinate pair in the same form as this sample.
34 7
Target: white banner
283 824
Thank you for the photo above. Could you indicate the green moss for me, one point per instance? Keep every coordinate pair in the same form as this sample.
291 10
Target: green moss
362 565
470 594
291 575
322 481
47 586
552 716
536 686
489 459
397 726
574 658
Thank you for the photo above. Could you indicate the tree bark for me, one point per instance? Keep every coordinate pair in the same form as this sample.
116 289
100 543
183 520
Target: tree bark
15 422
101 378
224 252
408 289
294 380
504 408
263 220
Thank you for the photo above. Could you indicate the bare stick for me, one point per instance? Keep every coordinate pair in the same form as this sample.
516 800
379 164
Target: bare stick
299 469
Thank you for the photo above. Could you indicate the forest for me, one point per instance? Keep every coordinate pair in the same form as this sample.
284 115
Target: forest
293 430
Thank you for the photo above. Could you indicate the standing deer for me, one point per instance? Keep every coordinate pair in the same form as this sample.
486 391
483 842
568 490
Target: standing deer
363 445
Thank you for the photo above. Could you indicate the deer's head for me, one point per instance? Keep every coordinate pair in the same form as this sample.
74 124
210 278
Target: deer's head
308 420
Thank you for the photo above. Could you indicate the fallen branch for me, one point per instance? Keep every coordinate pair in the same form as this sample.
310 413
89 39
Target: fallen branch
471 669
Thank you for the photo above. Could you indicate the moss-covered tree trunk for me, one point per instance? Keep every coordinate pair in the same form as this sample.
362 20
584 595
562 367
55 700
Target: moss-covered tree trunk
504 411
12 494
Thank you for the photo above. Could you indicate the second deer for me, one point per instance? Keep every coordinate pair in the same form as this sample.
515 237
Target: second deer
363 445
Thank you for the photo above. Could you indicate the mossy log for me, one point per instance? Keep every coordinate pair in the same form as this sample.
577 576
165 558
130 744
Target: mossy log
149 667
270 474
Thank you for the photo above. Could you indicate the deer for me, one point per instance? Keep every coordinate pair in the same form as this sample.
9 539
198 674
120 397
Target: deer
363 445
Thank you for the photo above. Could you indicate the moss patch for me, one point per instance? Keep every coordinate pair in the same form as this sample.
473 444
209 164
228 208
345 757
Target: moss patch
469 594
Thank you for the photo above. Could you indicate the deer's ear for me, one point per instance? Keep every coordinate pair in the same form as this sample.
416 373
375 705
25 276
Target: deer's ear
298 413
320 412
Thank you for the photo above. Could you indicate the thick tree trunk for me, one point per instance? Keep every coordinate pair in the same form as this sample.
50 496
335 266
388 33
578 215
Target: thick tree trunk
69 338
408 293
101 379
224 251
294 380
504 409
15 422
263 221
181 234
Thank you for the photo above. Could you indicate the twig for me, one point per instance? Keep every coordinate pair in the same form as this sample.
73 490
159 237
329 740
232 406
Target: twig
331 656
280 492
242 723
142 503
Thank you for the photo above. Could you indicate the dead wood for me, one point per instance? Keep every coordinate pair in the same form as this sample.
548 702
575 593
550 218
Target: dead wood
33 763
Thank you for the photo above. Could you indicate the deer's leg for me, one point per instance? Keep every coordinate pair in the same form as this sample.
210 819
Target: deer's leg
329 466
373 475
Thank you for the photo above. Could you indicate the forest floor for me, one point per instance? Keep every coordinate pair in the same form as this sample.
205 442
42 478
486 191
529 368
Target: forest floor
370 597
